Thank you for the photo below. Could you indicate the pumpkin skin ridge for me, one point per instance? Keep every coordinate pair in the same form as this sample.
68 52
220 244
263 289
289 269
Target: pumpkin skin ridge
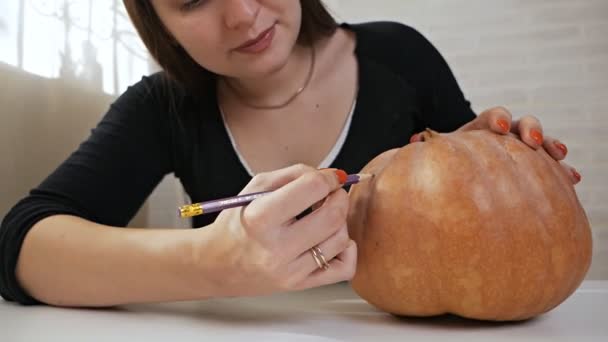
572 279
373 168
554 299
583 257
368 190
438 287
482 182
533 276
378 187
582 221
579 228
500 197
490 299
448 274
575 257
534 306
441 305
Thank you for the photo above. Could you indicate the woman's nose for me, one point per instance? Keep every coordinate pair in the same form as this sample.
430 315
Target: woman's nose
239 13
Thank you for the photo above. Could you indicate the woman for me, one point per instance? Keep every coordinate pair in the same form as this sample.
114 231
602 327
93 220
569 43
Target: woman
251 92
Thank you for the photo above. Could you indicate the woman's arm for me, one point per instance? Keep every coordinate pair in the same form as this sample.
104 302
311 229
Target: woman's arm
62 244
256 250
105 181
69 261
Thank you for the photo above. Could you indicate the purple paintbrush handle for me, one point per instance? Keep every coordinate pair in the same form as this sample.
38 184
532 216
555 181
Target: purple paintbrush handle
231 202
236 201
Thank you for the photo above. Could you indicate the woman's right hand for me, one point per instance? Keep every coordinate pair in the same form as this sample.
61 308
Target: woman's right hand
263 248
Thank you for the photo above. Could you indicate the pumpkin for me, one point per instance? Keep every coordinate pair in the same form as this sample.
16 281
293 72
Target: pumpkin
473 224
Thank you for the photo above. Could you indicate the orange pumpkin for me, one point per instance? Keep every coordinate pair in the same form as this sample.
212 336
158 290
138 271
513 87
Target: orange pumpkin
472 223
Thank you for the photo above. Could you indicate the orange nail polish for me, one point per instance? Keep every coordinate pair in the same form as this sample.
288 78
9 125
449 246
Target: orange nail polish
561 147
342 176
414 138
576 175
504 125
537 136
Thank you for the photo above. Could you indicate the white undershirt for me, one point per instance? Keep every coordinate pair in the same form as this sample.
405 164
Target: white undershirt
331 156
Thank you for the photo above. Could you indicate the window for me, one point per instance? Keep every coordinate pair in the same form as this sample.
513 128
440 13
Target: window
85 40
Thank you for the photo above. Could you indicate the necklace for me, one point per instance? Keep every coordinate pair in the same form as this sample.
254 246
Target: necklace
292 97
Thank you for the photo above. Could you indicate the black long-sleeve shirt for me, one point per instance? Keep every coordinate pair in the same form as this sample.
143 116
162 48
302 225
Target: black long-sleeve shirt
404 86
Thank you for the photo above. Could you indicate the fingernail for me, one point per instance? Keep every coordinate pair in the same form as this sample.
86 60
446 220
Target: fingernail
561 147
413 138
342 176
576 175
503 124
537 136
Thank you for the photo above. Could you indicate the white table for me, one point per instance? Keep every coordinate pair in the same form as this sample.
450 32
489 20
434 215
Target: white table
333 313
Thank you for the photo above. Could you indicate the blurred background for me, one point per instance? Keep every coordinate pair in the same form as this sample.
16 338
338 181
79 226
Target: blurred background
63 62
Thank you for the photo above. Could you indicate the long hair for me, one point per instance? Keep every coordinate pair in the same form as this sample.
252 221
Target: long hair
177 64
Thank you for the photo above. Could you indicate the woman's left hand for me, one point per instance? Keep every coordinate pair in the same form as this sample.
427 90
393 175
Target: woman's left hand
528 128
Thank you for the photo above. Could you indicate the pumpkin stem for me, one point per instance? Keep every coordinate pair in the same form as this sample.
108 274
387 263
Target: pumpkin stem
428 134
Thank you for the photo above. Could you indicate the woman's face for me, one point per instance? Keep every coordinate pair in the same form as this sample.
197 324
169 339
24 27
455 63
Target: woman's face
237 38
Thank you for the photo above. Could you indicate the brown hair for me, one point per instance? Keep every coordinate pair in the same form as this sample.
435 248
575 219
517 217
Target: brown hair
317 23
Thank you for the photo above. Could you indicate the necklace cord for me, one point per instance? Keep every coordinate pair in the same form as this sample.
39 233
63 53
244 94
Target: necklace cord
292 97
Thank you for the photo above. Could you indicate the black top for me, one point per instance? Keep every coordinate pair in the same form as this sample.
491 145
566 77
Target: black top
404 86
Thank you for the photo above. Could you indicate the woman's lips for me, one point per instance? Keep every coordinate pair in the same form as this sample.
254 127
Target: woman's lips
258 44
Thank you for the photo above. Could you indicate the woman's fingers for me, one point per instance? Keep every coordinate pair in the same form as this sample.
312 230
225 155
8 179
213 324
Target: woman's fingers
273 248
305 263
285 203
529 130
341 268
572 173
496 119
318 226
555 148
499 120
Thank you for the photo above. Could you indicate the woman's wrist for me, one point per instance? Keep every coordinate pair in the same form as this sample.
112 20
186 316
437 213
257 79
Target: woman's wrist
186 262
